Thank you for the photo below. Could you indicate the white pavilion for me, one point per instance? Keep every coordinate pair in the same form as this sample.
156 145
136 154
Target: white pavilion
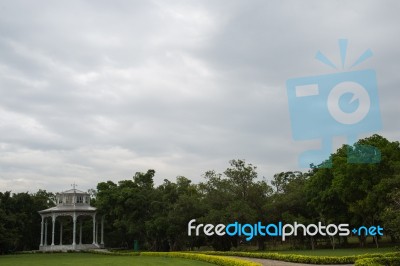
71 203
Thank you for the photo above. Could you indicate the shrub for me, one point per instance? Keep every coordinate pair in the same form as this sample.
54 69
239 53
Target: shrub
302 258
218 260
388 261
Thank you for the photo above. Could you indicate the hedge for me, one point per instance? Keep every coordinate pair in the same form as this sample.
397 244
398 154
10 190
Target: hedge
302 258
218 260
388 261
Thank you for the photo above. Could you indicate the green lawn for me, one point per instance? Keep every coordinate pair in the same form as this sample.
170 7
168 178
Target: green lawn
338 252
85 259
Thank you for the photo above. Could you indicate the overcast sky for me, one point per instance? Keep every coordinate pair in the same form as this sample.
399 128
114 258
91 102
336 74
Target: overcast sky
98 90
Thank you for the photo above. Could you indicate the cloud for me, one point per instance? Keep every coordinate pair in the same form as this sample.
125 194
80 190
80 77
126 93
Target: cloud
91 91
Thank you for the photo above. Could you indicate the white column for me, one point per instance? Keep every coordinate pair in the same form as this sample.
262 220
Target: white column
97 233
41 232
94 229
102 230
74 230
80 231
61 229
53 218
45 233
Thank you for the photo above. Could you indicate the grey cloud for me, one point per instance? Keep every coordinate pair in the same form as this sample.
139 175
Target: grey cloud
96 90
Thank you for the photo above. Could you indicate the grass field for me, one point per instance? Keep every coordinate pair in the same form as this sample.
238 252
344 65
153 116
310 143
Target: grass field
86 259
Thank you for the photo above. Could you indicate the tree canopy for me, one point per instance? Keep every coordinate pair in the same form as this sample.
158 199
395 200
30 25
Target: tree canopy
158 215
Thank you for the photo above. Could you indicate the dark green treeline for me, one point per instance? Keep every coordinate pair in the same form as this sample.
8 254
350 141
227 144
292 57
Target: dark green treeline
157 216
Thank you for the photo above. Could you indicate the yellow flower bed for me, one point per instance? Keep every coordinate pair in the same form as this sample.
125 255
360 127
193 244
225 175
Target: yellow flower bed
218 260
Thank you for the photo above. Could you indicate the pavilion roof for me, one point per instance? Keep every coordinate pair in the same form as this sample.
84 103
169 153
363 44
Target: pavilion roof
69 208
73 191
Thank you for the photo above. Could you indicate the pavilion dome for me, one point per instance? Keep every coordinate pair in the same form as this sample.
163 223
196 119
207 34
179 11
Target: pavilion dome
73 197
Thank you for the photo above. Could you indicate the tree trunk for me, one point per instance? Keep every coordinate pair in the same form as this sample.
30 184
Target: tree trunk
376 241
312 243
332 240
261 243
362 240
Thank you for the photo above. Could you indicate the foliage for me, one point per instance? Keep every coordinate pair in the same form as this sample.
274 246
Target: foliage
388 261
157 216
303 258
19 221
234 196
217 260
391 214
356 193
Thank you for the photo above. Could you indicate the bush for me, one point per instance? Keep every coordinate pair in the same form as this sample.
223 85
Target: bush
302 258
388 261
218 260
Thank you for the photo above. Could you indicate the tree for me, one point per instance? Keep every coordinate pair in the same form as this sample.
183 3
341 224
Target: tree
235 196
19 221
391 215
356 192
127 207
289 202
